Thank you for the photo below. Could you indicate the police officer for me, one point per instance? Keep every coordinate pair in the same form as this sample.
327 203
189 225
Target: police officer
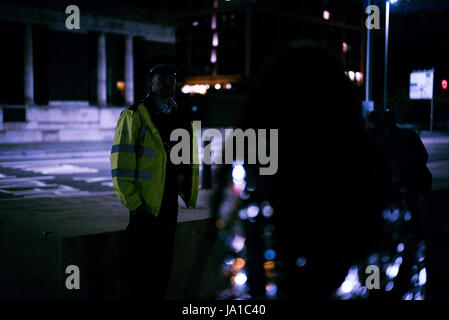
148 183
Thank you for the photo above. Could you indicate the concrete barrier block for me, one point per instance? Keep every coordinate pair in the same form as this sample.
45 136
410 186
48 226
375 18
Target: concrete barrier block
197 262
31 265
102 261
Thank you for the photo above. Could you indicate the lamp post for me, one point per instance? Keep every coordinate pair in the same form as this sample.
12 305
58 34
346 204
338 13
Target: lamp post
368 60
368 105
387 25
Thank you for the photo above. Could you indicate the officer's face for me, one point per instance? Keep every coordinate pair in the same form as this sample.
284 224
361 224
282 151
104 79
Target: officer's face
163 84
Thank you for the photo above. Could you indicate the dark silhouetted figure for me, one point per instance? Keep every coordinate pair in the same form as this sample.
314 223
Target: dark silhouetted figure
411 180
374 124
377 158
327 208
407 158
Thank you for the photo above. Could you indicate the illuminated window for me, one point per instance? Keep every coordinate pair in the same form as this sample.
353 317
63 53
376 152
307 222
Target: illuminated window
120 85
215 40
351 75
213 56
213 24
197 88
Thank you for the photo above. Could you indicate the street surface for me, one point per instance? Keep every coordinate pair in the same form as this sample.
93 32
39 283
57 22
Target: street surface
74 175
438 149
39 171
52 170
67 177
65 189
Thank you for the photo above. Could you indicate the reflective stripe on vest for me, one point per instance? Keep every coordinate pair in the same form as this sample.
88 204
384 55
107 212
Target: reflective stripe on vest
123 148
131 148
148 153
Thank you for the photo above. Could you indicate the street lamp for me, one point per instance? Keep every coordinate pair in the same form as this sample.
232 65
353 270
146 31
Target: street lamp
368 66
387 23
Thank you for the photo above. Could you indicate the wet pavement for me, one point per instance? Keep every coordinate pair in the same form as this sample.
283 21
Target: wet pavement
65 190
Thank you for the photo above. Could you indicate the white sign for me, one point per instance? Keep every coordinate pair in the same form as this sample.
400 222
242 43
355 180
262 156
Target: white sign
421 85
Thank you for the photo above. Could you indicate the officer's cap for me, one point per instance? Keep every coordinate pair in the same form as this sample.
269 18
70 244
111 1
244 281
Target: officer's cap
163 68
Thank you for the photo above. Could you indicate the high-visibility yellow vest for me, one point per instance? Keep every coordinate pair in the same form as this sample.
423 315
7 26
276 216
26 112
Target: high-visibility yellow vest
138 163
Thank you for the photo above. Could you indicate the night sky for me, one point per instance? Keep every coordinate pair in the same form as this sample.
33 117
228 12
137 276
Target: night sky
415 5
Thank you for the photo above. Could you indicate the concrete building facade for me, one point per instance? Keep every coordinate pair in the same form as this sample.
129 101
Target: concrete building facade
61 83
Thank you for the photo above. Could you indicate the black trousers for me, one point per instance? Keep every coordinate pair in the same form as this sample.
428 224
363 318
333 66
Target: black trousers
151 245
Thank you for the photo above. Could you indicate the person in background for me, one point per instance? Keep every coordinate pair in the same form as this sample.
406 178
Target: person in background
411 180
374 125
407 157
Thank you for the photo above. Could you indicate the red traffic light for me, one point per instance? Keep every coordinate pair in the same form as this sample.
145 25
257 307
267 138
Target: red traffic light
444 84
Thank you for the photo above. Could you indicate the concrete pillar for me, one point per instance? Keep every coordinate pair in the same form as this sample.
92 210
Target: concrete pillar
129 70
28 65
101 70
